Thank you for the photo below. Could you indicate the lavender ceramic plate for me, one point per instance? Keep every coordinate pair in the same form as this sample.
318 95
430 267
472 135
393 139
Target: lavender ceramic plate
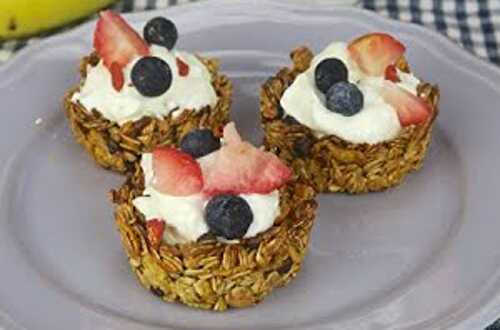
422 256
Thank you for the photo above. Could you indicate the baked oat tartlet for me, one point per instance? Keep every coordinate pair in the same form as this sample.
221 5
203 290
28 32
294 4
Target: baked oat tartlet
352 119
136 93
214 225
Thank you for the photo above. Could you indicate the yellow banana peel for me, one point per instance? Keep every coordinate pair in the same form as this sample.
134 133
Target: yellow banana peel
23 18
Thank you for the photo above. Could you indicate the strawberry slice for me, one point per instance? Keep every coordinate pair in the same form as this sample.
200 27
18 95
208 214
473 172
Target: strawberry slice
175 172
116 42
155 229
182 67
411 109
391 73
375 51
117 77
231 135
241 168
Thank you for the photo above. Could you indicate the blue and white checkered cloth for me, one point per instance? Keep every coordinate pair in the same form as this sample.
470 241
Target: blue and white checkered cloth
474 24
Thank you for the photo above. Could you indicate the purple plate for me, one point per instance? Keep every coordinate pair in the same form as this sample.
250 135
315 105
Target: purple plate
424 255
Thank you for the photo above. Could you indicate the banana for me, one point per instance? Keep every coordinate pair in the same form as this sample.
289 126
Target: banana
23 18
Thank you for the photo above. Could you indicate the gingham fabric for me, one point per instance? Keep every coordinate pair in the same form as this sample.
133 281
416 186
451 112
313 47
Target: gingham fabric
473 24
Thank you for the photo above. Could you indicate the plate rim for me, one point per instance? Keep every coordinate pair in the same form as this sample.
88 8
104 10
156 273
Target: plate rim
136 17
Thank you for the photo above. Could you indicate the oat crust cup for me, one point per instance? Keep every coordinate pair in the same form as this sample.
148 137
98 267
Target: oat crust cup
137 91
329 163
210 274
117 147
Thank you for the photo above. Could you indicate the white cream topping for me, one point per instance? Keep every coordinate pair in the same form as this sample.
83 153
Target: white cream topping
376 122
183 215
193 91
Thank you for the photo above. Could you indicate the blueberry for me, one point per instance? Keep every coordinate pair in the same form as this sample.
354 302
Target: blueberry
199 142
161 31
228 216
329 72
151 76
344 98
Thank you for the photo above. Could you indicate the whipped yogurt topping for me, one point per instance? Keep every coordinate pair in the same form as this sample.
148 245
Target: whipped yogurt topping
376 122
184 215
193 91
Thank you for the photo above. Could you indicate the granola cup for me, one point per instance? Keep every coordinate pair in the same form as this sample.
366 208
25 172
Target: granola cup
213 275
117 147
329 163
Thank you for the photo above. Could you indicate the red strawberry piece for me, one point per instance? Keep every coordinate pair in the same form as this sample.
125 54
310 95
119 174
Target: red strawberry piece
182 67
231 135
155 229
117 42
391 73
241 168
175 172
218 131
375 51
411 109
117 77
